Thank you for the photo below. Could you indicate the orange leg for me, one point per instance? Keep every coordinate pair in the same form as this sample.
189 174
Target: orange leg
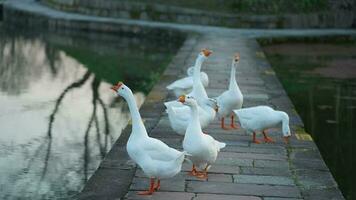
266 138
158 186
233 125
223 124
203 174
151 190
254 140
193 172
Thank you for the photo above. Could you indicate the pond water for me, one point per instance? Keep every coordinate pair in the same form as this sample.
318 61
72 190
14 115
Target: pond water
319 75
58 116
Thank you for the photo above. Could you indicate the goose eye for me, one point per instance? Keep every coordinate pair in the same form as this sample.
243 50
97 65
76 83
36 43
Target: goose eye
122 88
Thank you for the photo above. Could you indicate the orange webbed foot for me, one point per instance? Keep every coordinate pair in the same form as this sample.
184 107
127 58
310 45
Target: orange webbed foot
256 141
145 192
222 125
151 190
158 186
193 172
202 175
268 140
233 126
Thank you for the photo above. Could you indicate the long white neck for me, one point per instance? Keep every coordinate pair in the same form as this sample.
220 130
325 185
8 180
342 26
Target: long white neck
233 84
194 127
198 92
285 123
138 128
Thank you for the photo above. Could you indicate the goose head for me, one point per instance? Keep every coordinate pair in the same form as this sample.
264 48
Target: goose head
236 58
122 90
204 54
188 100
285 126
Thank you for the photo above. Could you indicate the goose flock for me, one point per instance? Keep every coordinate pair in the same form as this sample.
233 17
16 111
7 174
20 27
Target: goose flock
188 116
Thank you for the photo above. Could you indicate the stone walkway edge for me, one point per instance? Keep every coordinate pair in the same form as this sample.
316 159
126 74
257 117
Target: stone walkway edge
243 170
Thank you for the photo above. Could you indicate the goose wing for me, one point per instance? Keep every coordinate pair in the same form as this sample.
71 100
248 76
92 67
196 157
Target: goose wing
252 116
158 150
182 83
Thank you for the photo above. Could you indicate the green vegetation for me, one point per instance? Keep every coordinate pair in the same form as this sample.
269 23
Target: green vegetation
249 6
140 72
137 61
310 70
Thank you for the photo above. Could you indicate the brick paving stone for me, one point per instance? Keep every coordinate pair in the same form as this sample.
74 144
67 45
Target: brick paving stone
243 189
234 161
216 168
309 164
258 179
258 97
220 177
265 171
271 163
160 196
276 150
315 179
225 197
253 156
175 184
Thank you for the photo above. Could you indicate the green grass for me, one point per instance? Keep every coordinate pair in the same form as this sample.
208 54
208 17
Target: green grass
249 6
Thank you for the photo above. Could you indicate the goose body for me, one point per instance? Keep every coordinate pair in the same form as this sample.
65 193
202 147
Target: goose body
185 85
156 159
260 118
202 148
230 99
178 114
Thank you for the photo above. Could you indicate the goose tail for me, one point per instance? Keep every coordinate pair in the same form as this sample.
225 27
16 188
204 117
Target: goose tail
220 145
182 156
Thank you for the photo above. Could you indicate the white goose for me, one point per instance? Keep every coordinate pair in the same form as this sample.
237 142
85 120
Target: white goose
261 118
178 114
156 159
232 98
202 148
179 117
185 85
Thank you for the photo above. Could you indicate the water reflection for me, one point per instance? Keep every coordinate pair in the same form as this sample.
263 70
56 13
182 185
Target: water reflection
58 117
320 79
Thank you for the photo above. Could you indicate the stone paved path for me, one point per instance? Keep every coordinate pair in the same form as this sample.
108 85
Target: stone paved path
243 170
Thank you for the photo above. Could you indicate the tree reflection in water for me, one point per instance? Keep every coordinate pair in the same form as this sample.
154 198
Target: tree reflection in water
58 116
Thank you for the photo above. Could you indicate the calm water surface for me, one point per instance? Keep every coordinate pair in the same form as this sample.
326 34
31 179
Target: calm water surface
320 78
58 117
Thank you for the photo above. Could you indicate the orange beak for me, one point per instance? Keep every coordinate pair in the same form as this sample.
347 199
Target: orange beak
117 86
206 52
181 99
237 57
